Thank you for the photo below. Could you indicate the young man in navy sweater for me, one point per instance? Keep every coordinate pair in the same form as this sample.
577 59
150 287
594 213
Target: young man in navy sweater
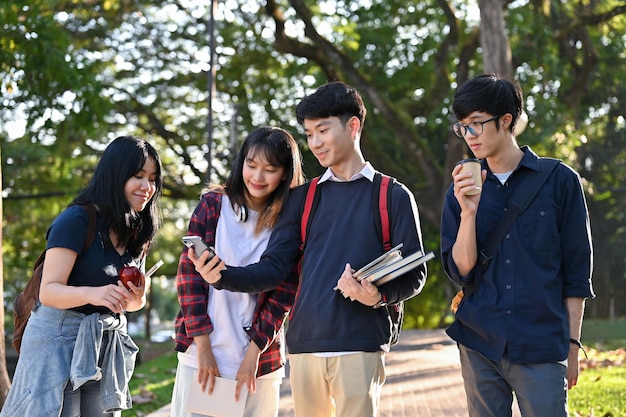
336 339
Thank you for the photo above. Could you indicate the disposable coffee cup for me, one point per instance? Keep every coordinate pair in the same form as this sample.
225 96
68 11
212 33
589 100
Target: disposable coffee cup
473 165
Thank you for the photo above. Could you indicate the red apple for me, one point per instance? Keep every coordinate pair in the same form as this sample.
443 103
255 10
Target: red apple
132 274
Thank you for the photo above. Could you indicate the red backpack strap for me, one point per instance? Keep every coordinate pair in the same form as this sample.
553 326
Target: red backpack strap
382 204
306 210
382 207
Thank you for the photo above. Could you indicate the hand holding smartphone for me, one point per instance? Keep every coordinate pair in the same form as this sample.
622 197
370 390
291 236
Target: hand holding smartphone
198 246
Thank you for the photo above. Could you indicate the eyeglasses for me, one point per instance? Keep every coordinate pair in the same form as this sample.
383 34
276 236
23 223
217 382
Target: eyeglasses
475 128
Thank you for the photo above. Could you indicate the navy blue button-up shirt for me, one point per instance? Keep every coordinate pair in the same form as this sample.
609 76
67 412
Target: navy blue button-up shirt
518 305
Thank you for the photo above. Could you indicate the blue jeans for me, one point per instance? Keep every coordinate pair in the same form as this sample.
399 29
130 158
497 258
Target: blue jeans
541 389
61 347
85 401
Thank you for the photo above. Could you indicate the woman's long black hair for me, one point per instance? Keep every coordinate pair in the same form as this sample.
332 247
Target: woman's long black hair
122 159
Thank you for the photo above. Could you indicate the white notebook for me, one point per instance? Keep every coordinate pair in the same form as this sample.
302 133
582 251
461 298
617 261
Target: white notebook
221 403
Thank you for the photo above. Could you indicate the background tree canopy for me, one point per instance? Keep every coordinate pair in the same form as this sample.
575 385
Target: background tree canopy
76 74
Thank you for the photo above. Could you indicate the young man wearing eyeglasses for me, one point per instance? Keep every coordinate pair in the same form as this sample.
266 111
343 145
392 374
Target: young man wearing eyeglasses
518 329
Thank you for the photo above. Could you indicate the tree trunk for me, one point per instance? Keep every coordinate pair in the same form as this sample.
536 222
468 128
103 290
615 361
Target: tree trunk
496 46
5 382
493 38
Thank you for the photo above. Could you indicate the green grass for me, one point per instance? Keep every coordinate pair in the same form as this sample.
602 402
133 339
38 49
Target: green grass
600 390
155 378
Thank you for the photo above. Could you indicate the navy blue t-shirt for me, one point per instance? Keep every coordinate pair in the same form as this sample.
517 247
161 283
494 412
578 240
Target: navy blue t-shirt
99 264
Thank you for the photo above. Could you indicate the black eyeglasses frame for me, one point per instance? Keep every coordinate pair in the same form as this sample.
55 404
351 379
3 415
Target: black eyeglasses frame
460 130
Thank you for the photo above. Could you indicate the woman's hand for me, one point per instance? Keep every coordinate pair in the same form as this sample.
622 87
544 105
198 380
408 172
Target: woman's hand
210 271
207 365
55 292
136 294
248 369
113 297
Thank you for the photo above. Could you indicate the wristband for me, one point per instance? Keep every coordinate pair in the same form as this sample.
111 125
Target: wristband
580 346
382 302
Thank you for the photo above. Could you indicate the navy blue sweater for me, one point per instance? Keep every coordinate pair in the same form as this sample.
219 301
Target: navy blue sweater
342 231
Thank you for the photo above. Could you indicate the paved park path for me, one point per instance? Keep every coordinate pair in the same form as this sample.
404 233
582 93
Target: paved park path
423 379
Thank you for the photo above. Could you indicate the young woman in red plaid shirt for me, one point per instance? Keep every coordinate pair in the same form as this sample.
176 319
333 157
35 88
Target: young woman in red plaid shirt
230 334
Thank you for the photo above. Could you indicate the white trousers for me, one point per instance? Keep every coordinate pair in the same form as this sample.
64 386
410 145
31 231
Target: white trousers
263 403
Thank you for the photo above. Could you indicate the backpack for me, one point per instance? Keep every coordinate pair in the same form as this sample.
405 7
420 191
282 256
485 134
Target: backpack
28 299
382 201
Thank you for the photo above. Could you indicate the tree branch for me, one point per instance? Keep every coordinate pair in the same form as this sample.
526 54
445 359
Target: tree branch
338 66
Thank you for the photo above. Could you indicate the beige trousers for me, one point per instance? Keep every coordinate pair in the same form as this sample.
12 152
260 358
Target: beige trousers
348 385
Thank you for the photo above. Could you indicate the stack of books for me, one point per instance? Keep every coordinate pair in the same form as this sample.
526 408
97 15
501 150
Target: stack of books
391 265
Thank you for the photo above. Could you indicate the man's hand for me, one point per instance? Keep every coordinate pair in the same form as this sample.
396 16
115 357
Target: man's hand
362 291
573 369
463 182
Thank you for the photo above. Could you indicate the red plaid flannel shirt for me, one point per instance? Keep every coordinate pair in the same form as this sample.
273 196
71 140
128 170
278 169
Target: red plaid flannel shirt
193 320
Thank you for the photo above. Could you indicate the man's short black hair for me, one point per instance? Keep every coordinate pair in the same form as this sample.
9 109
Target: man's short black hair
332 99
489 93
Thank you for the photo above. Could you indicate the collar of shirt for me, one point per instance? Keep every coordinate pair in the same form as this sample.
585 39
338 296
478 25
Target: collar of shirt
530 160
368 172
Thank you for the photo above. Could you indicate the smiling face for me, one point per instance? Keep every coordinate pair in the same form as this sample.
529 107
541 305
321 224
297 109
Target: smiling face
140 188
331 141
261 179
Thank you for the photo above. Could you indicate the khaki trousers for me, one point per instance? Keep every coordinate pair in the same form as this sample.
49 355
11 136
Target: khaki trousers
348 385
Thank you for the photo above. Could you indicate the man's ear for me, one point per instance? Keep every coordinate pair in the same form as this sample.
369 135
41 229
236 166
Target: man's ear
505 120
354 124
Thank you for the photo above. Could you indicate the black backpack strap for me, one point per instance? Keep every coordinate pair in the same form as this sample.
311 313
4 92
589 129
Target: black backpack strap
518 203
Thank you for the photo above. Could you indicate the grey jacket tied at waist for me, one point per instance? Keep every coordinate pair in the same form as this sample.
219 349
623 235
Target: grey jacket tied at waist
118 359
64 346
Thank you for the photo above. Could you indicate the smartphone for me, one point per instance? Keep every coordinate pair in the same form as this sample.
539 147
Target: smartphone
198 245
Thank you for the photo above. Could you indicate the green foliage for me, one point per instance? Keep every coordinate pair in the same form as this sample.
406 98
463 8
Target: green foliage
164 299
604 334
82 73
430 308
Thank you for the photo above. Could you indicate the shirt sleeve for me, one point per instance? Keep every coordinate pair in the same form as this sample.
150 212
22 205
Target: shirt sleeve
450 219
69 229
272 309
192 289
278 259
576 241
